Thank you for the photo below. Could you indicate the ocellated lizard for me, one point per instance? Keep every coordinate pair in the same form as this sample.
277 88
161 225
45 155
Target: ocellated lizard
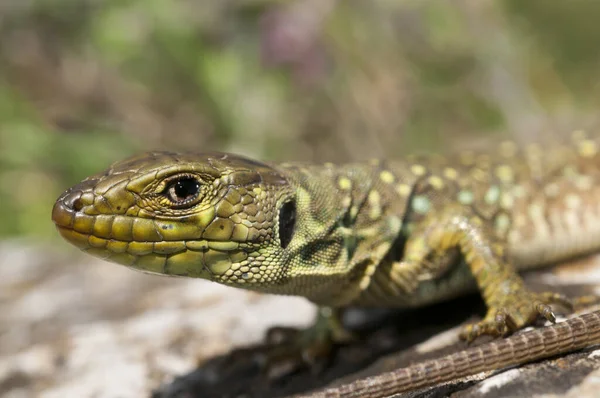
402 233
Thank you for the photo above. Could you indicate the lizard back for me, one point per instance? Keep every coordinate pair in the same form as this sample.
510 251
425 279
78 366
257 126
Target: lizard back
542 200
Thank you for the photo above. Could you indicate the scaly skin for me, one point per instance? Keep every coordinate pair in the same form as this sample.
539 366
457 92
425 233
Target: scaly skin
574 334
382 233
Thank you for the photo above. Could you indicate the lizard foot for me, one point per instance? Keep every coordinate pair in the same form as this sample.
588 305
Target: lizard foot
285 351
515 312
289 350
293 350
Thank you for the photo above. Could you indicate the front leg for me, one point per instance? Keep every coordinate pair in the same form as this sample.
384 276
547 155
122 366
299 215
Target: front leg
289 350
511 306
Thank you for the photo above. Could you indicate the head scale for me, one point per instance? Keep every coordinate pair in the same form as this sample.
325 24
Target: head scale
211 215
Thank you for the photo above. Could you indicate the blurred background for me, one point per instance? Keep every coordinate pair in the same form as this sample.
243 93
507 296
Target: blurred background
87 82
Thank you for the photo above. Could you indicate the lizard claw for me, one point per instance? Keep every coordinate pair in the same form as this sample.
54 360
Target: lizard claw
285 351
288 350
291 350
516 312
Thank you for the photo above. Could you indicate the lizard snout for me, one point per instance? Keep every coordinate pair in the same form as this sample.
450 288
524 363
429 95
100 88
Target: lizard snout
72 202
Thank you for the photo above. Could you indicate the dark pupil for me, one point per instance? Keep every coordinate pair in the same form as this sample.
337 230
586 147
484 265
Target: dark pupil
186 188
287 222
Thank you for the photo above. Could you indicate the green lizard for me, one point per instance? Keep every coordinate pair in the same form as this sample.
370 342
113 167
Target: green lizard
400 233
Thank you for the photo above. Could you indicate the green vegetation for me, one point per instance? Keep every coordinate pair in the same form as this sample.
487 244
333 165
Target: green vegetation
83 82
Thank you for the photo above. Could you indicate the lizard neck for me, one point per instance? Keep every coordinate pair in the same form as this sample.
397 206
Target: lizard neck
349 216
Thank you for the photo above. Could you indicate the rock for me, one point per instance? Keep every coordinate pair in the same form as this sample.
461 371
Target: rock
73 326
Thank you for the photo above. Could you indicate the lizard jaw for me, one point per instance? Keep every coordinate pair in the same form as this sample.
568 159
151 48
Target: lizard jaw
142 243
194 258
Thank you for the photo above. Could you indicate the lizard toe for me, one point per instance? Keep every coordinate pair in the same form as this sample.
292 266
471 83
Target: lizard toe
516 312
495 324
300 351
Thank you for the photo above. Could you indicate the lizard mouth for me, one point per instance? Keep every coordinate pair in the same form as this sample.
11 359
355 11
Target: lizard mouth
146 244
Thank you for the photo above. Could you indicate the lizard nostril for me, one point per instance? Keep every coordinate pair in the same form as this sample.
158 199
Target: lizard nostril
77 204
73 201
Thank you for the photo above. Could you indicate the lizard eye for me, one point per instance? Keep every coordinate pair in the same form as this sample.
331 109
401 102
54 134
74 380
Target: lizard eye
183 191
287 222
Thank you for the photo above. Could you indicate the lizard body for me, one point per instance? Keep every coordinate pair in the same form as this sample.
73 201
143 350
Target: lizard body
383 233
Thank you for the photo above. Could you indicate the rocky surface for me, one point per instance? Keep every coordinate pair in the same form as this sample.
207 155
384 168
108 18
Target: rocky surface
73 326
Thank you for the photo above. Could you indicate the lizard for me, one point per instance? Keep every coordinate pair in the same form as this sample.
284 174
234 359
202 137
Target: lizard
385 233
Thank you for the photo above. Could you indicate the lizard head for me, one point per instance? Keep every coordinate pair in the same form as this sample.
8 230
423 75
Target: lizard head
215 216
